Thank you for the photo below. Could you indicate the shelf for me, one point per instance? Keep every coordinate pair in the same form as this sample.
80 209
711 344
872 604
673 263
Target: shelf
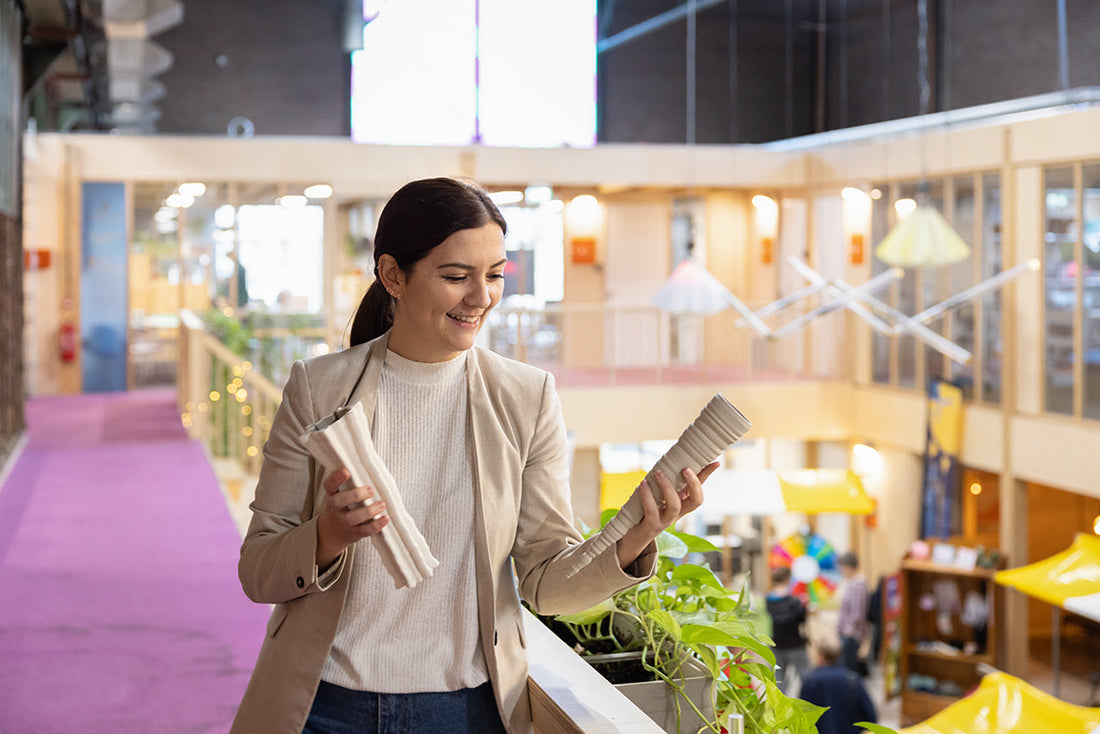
917 706
929 567
960 658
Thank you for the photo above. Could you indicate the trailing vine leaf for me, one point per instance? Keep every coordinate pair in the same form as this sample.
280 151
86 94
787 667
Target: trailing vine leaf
691 571
666 622
590 615
694 543
670 545
875 728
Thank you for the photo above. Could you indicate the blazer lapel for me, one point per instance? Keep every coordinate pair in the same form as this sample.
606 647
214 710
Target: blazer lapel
478 418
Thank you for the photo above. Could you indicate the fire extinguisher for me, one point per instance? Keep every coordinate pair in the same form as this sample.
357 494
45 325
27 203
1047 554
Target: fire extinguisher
67 341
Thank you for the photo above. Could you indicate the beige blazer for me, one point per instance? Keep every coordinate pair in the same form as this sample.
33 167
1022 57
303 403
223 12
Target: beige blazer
522 515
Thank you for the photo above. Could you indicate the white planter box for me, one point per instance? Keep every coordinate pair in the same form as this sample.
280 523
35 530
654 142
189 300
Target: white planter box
658 700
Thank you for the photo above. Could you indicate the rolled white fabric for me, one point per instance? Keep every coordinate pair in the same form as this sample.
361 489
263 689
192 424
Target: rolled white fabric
717 427
343 440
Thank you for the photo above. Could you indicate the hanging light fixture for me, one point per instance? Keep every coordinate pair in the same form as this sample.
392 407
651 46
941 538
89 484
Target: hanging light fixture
923 238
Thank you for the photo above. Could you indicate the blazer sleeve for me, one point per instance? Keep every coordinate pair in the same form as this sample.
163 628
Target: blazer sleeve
278 555
547 543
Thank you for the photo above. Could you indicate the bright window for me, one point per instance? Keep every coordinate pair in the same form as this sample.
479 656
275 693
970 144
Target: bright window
456 72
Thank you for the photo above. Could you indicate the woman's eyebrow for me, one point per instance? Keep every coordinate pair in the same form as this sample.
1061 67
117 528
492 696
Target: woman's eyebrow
466 266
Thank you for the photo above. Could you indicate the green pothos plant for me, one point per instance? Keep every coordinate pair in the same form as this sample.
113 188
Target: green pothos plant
685 611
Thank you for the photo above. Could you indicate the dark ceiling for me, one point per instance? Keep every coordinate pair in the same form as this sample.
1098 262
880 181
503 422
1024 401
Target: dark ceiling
89 64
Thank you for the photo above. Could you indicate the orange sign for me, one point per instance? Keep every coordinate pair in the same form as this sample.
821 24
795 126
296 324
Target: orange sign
857 249
36 259
584 250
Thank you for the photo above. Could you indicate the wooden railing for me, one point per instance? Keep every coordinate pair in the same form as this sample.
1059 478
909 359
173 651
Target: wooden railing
224 401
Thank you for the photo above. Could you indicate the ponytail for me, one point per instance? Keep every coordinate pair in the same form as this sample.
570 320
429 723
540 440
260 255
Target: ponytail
374 316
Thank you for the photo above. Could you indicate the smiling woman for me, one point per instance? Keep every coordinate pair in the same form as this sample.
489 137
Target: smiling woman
476 445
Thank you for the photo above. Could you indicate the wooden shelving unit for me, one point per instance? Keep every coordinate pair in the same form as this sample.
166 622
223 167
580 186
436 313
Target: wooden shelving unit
921 629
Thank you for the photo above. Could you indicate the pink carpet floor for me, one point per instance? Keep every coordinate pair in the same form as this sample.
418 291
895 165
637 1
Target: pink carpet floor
120 609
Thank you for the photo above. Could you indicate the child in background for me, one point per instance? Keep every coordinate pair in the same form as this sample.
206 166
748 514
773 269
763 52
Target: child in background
788 615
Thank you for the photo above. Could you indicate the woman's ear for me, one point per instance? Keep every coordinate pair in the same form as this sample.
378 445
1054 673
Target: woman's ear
391 275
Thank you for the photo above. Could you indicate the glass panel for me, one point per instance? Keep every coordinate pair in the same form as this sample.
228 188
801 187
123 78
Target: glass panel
1092 289
992 342
936 286
880 226
1060 279
198 254
155 287
960 320
907 304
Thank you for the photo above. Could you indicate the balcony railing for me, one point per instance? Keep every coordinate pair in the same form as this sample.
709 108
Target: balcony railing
596 345
228 403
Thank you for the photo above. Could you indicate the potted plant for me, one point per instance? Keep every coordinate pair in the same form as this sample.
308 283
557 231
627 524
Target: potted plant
694 638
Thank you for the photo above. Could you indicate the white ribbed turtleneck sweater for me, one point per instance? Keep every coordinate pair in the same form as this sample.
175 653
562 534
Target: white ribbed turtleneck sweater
424 638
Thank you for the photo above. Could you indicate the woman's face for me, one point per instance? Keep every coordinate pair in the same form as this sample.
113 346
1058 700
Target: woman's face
442 302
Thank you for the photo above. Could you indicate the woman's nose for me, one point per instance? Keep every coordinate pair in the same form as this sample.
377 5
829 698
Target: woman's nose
479 295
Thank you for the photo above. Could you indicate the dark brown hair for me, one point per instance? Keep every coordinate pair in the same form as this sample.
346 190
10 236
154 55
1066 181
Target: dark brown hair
416 219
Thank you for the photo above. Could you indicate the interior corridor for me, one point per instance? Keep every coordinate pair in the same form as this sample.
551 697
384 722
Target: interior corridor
121 607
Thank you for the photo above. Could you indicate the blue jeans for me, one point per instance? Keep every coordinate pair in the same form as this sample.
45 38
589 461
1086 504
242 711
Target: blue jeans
338 710
793 662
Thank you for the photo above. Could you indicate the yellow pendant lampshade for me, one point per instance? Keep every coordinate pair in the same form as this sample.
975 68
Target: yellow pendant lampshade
921 240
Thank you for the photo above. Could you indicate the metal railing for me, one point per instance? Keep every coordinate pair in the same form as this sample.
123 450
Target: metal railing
594 344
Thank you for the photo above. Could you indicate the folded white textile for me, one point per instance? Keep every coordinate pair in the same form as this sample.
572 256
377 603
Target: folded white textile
343 440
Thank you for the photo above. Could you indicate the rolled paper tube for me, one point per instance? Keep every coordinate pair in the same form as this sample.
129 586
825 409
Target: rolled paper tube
717 427
343 440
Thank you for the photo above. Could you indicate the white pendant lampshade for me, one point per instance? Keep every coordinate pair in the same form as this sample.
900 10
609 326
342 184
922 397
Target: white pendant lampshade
692 290
923 239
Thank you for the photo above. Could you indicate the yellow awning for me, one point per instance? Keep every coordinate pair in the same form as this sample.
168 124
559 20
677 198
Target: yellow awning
813 491
616 487
1003 704
1070 579
738 492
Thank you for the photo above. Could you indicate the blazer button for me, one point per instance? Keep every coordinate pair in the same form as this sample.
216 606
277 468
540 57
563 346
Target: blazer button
301 582
494 637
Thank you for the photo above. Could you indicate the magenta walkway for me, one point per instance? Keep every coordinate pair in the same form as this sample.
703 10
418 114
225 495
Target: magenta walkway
120 609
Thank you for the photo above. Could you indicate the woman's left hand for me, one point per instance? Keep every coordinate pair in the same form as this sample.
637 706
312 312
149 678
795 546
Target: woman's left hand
659 516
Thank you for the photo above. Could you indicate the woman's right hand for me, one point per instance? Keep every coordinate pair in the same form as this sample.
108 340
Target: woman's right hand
346 516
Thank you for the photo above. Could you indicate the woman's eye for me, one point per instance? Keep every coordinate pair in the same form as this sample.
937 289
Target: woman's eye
454 278
496 276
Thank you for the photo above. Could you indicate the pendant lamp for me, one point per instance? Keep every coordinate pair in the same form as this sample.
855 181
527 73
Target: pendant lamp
692 290
923 239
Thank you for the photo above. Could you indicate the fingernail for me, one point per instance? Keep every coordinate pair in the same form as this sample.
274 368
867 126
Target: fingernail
660 473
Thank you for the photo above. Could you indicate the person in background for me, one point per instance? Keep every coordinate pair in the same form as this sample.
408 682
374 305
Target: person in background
477 446
852 620
841 690
788 615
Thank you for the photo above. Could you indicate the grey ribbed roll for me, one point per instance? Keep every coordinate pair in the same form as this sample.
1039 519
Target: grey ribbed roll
717 427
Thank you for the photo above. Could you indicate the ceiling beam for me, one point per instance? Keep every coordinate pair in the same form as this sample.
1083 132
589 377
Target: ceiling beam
654 23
